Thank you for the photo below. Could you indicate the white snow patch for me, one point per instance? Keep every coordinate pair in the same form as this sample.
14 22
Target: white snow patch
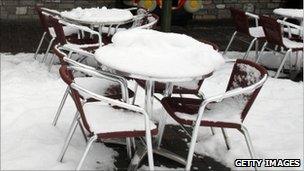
157 54
98 15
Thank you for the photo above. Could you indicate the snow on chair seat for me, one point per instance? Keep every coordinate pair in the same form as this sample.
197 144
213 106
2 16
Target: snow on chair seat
103 118
290 44
256 32
68 31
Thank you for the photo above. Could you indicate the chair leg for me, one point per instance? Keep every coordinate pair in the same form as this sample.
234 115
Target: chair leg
69 137
48 50
226 138
51 62
161 129
65 95
282 63
229 44
149 148
192 146
135 93
92 139
245 132
82 130
262 51
39 46
212 130
256 49
249 48
129 148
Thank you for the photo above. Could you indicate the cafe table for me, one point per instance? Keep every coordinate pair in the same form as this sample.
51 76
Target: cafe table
156 56
103 18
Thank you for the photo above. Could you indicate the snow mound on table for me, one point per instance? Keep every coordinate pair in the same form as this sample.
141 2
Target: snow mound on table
290 12
98 14
157 54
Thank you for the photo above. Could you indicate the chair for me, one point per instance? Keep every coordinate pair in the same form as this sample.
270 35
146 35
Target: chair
227 110
49 31
111 86
107 118
241 23
273 32
81 43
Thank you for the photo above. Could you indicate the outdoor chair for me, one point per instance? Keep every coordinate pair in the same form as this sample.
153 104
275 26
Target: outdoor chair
49 32
107 118
274 36
241 23
111 86
86 44
227 110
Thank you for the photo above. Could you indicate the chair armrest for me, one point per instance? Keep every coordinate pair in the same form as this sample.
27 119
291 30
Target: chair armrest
256 17
291 26
105 75
230 93
131 9
285 23
109 100
71 48
83 28
51 11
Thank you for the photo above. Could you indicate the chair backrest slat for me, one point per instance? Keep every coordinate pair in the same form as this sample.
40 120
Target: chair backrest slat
58 29
246 73
272 30
240 20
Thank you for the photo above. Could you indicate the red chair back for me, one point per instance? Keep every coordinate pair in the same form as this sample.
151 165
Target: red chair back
67 76
246 73
272 30
240 20
60 36
43 19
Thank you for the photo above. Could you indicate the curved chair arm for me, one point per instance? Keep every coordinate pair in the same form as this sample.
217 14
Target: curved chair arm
83 28
285 23
231 93
72 48
104 75
131 9
256 17
291 26
51 11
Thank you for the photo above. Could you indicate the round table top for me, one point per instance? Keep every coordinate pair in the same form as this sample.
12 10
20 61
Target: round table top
98 15
158 56
289 12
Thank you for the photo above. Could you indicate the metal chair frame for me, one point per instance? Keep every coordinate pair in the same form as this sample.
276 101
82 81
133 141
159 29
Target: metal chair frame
252 42
124 104
41 13
66 60
252 89
56 23
289 50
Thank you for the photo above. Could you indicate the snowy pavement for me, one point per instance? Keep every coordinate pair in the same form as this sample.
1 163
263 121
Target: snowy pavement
30 96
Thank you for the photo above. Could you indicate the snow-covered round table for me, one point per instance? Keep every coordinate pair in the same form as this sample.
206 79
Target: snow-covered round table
290 13
156 56
98 16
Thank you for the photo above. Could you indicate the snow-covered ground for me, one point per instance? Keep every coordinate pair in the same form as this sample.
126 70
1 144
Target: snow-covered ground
30 96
